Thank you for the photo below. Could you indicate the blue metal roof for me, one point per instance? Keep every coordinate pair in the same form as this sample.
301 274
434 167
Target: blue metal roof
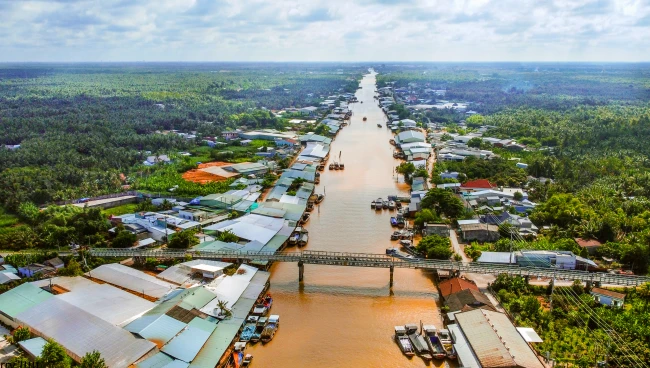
33 346
186 345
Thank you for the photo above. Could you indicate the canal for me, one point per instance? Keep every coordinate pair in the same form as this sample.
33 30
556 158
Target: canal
344 316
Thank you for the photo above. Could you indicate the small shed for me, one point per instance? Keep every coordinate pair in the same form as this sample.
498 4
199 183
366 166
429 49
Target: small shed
55 262
608 297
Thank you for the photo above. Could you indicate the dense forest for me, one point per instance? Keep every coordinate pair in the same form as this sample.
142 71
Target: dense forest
80 126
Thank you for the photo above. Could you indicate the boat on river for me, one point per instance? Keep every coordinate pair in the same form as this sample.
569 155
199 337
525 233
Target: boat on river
304 218
379 204
304 239
342 166
332 166
396 235
394 252
393 221
336 166
447 343
418 342
260 310
378 125
271 328
319 198
402 340
391 205
365 118
430 335
246 362
384 204
259 327
249 328
295 236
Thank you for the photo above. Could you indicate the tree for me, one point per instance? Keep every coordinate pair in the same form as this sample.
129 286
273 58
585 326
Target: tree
28 212
425 216
228 236
93 360
443 202
475 142
54 356
124 239
183 240
21 334
518 196
475 121
72 269
435 247
406 169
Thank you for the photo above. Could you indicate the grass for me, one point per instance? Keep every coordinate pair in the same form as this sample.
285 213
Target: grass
7 220
121 210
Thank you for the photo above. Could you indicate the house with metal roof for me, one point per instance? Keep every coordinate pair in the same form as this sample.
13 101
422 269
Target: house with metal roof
608 297
19 299
455 285
132 279
487 339
409 136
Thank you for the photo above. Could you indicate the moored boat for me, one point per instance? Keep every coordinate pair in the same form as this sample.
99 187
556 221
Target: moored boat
320 198
391 205
431 337
394 252
402 340
246 362
260 309
379 204
249 328
342 166
393 221
420 346
365 118
378 125
295 236
372 204
304 218
396 235
332 166
259 327
271 328
447 343
304 238
384 204
336 166
310 206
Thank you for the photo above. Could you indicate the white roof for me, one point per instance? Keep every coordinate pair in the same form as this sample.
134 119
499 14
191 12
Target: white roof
6 277
229 289
206 267
468 222
131 279
529 334
251 227
81 332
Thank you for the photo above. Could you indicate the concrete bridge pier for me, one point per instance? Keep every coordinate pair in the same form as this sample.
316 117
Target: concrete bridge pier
597 284
392 270
301 271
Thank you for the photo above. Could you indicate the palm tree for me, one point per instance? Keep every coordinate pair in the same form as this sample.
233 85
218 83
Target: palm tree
223 306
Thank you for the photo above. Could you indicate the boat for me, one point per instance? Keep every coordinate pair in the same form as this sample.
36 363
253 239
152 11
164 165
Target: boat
319 198
405 243
378 125
407 234
393 221
304 238
402 340
295 236
321 167
394 252
336 166
259 327
392 141
246 362
331 166
372 204
260 310
430 336
379 204
365 118
317 180
310 206
304 218
270 328
391 205
342 166
447 343
395 235
249 328
418 342
384 204
400 220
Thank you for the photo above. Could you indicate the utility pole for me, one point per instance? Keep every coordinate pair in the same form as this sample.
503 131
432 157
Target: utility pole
552 289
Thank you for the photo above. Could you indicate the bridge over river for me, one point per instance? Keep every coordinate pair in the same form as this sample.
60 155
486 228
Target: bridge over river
377 261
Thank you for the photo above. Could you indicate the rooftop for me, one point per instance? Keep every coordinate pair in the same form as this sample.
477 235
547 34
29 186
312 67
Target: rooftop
478 183
455 285
609 293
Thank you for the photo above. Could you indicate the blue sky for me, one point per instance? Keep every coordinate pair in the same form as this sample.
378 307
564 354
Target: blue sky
324 30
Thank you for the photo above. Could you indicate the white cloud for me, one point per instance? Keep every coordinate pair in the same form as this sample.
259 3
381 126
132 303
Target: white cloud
286 30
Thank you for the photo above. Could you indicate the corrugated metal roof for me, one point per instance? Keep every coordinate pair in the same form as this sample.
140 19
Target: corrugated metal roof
217 344
6 277
187 344
199 297
22 298
162 330
79 332
495 340
498 257
33 347
159 360
131 279
177 364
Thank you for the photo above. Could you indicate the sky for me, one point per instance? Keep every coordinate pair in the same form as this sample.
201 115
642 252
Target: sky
324 30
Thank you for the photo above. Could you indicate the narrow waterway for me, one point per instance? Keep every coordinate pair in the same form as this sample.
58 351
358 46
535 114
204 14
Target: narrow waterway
344 316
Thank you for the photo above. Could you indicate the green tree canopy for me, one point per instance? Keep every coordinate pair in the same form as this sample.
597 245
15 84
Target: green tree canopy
54 356
93 360
435 247
124 239
183 240
443 202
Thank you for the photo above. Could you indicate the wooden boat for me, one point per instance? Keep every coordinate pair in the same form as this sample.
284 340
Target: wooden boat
372 204
246 362
304 238
384 204
396 235
378 125
447 343
392 141
271 328
365 118
260 310
379 204
405 243
249 328
316 180
321 167
310 206
403 341
391 205
393 221
331 166
320 198
305 217
336 166
430 336
342 166
420 346
259 327
295 236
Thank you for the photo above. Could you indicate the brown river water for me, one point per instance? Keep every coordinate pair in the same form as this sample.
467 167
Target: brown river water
344 316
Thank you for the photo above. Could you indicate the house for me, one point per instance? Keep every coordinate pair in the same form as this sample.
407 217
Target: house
467 299
488 339
437 229
476 185
591 245
54 262
449 175
230 135
454 285
35 269
608 297
409 136
480 232
309 110
521 165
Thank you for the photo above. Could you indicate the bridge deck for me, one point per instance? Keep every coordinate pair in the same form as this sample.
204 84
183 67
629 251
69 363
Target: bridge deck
380 261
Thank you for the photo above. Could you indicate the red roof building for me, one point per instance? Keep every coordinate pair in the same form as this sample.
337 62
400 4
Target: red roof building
478 184
591 245
455 285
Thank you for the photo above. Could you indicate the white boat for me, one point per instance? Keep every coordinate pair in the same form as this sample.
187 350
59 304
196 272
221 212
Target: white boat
391 205
304 238
402 340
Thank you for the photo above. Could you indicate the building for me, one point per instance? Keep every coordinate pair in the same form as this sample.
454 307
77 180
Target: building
409 136
591 245
449 175
480 232
455 285
267 135
608 297
309 110
231 135
559 259
34 269
487 339
19 299
437 229
476 185
468 299
55 263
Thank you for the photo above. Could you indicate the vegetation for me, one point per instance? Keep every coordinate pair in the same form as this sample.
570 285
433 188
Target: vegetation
183 240
21 334
93 360
435 247
54 356
443 202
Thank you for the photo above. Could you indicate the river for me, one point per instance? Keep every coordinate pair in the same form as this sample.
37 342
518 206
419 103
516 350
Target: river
344 316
